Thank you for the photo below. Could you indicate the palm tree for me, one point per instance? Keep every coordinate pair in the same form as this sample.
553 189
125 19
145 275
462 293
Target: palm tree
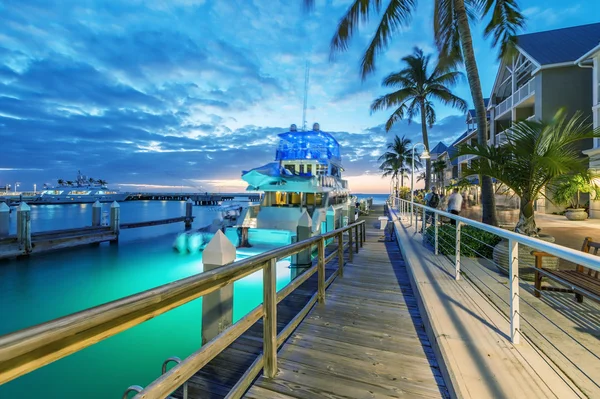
453 39
61 182
102 182
397 160
439 167
91 180
69 182
535 157
417 88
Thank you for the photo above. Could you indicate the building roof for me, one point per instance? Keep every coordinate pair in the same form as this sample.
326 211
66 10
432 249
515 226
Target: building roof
439 148
471 112
560 45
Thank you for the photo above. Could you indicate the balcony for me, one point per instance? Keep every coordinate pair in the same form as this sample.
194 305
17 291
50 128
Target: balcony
515 99
466 158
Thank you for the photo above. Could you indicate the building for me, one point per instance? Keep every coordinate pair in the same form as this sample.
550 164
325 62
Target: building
542 77
591 60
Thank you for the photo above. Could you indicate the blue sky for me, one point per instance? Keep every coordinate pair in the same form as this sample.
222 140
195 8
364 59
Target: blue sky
159 94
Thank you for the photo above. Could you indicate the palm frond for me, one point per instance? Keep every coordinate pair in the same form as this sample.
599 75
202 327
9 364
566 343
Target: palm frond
397 14
359 10
506 21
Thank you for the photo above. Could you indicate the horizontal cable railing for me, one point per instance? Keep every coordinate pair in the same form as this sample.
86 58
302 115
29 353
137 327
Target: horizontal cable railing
500 263
26 350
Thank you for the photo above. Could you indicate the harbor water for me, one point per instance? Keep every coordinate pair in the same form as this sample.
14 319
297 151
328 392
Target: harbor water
43 287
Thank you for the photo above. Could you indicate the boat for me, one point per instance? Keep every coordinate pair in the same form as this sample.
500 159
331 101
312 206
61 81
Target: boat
83 190
306 176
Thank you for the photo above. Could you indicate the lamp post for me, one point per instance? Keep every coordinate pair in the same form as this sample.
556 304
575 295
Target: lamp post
424 155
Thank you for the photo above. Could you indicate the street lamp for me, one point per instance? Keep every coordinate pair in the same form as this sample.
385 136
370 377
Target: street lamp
424 155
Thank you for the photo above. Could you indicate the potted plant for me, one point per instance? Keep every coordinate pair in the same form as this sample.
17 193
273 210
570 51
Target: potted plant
568 192
536 155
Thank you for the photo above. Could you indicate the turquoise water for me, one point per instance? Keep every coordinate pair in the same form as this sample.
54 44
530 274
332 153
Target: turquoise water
44 287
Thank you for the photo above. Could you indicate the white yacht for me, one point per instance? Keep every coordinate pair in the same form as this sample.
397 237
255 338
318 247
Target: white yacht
306 176
82 191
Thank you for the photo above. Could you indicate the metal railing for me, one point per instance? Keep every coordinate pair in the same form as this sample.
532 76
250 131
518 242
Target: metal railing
516 98
560 329
26 350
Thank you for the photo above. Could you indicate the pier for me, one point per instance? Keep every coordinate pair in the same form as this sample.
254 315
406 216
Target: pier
25 242
197 199
347 324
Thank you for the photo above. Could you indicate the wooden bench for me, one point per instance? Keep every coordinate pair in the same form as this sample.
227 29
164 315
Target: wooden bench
582 281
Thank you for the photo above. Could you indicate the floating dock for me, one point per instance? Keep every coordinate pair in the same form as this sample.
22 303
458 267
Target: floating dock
25 242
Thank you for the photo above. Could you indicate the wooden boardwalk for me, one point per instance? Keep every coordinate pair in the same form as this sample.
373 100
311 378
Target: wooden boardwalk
367 341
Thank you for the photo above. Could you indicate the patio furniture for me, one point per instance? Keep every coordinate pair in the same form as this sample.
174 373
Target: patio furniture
582 281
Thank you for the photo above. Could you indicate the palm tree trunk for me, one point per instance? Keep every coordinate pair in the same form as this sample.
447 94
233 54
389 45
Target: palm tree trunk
488 201
526 224
426 142
402 178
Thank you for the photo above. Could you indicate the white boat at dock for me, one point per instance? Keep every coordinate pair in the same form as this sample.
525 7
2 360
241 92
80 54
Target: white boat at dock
83 190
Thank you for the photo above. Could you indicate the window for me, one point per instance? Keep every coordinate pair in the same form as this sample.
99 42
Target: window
309 169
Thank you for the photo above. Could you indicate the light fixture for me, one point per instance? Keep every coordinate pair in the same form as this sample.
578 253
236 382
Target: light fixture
425 154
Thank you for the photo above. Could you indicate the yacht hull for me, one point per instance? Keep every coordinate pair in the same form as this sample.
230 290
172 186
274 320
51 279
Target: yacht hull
77 199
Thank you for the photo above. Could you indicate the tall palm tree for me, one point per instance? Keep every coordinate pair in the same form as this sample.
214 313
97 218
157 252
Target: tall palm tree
417 88
453 38
535 157
61 182
439 167
397 160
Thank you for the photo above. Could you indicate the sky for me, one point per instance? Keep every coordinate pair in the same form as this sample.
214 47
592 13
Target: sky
170 95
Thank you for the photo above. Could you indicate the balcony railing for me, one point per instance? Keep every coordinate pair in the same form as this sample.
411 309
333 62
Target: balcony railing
516 98
465 158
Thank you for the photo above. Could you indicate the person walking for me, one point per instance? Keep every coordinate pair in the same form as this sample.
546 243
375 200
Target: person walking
454 204
432 200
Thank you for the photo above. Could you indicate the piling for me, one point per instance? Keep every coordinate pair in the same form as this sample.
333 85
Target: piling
115 219
351 213
217 307
96 213
24 227
302 260
188 214
4 219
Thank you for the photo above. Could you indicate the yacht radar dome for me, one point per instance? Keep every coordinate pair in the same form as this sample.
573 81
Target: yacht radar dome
293 128
316 127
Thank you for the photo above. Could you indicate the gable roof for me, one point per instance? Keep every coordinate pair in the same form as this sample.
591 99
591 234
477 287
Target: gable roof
560 45
471 113
439 148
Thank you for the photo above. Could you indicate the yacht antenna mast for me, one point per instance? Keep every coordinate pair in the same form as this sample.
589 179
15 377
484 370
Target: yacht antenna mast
305 96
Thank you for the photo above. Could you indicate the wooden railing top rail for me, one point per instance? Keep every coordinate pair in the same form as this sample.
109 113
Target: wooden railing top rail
29 349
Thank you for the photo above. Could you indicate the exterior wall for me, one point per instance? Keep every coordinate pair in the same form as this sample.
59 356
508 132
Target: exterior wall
569 87
595 153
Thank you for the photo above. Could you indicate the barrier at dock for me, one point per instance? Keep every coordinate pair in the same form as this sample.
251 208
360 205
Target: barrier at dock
25 242
24 351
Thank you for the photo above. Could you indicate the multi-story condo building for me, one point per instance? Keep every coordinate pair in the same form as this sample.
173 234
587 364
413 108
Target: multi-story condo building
591 60
542 77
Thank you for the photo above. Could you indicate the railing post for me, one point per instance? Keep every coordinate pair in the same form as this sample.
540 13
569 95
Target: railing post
457 251
416 218
364 228
435 233
302 260
513 275
340 255
321 271
350 247
424 222
270 318
356 242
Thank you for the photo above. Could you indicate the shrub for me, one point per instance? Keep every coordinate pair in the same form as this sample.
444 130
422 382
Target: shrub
474 243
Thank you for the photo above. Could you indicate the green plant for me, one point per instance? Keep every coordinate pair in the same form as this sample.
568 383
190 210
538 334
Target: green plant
397 161
569 188
474 243
404 192
535 156
416 86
